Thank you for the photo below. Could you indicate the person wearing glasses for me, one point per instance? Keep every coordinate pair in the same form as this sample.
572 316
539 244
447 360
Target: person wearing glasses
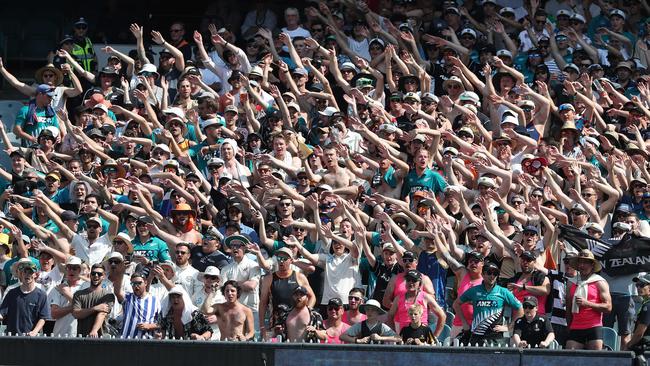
245 271
60 298
140 308
532 329
176 39
92 305
21 319
82 48
488 301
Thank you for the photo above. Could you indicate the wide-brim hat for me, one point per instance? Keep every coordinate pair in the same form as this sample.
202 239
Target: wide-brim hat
121 172
372 304
409 221
236 238
588 255
452 80
404 78
177 119
125 238
633 148
362 75
49 67
183 207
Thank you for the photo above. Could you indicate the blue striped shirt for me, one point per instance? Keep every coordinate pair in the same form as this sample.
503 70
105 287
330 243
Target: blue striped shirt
139 310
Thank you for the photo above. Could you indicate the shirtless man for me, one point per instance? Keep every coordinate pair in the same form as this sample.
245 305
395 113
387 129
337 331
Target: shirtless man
235 320
335 176
302 323
386 179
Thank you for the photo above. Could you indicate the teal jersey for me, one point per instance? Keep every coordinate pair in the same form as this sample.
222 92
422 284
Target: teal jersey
429 181
41 122
153 249
488 306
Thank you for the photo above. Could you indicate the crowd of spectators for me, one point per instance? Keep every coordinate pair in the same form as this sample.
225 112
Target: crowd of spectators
347 172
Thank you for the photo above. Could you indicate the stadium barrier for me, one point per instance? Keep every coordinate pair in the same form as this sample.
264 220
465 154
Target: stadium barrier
47 351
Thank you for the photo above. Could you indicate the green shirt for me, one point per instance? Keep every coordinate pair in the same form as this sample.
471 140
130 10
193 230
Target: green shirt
42 121
153 249
488 306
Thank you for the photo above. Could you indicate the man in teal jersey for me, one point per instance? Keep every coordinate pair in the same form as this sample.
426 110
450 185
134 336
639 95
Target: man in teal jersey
422 178
489 300
36 116
145 245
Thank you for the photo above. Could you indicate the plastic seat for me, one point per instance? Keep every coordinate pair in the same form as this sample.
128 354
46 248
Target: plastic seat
450 318
444 335
610 339
554 345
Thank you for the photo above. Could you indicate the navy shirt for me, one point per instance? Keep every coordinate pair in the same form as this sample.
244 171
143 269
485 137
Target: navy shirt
22 311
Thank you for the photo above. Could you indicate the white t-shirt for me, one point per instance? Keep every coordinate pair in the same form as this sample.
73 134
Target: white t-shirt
67 324
341 276
187 277
198 299
361 48
96 252
245 270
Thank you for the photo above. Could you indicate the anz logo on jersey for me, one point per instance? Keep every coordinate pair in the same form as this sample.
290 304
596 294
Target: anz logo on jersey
486 303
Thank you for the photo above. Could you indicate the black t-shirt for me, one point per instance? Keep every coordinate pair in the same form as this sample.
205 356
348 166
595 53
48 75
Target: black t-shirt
423 333
537 277
201 260
384 274
533 332
644 318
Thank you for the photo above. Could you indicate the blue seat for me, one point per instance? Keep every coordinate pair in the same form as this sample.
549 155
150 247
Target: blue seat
450 318
610 339
444 335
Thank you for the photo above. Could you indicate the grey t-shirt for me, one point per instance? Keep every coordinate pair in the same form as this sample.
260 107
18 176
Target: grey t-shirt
87 298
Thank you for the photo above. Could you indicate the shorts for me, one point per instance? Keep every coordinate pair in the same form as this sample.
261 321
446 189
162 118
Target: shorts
623 312
584 336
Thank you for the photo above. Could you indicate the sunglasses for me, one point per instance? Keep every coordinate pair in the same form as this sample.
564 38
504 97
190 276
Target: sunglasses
491 273
408 260
136 283
114 261
73 268
282 259
529 307
332 307
354 298
93 226
96 274
180 252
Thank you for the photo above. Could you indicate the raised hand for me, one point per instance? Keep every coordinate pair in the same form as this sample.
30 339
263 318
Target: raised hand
157 37
137 31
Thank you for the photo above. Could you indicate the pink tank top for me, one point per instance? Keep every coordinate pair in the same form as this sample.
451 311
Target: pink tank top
345 319
468 310
400 286
402 316
336 340
587 317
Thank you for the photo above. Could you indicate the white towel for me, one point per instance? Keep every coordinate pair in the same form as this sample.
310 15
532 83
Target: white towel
582 289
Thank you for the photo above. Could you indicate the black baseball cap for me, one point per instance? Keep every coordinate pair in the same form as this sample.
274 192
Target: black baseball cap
413 275
335 302
409 255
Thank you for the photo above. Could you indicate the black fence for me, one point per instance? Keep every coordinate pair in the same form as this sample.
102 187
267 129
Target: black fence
43 351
